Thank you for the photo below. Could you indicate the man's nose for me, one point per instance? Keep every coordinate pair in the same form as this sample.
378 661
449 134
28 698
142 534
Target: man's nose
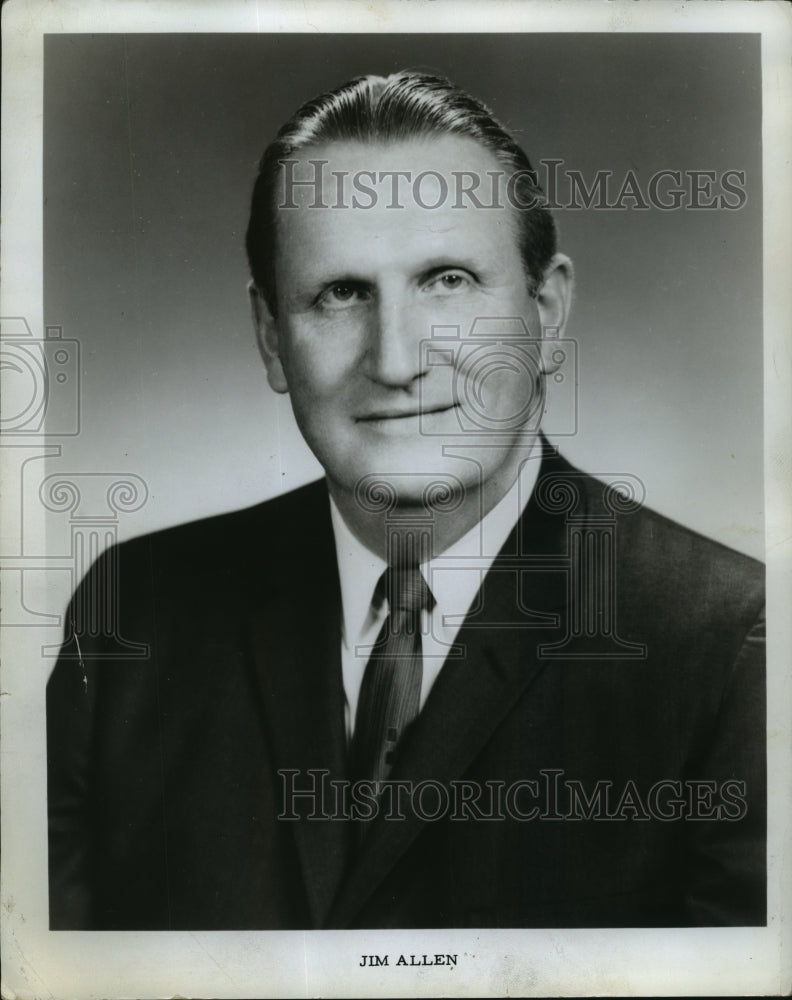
394 350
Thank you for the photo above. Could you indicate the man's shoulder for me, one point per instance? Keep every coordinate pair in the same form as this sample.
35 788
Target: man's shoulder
652 534
663 559
662 555
278 527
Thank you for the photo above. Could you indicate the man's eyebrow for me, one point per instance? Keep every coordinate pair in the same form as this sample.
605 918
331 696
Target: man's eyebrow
308 286
450 262
479 264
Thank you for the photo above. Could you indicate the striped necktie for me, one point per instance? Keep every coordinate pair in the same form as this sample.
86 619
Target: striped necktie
390 694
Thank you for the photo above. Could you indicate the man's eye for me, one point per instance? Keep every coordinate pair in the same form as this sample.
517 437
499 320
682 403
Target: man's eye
343 293
449 281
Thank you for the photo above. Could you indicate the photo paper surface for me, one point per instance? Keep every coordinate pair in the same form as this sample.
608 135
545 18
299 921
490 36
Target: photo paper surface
388 515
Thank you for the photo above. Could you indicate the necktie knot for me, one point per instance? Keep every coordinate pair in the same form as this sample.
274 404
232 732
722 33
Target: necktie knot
406 590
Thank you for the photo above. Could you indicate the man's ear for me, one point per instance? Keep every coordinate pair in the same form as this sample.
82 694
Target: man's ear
267 338
554 302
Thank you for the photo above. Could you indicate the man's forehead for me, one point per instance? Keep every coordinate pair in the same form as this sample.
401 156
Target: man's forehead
429 172
362 206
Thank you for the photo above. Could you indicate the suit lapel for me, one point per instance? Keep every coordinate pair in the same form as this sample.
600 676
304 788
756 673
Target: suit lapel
474 693
296 648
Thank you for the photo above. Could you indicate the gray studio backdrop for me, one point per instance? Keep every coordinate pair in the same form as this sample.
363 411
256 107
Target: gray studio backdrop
151 144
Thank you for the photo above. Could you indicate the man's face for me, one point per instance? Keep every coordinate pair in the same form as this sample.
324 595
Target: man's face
360 292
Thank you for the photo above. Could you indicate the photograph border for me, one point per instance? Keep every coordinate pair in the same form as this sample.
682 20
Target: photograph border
535 962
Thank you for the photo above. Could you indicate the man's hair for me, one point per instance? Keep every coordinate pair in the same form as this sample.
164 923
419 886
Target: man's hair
401 106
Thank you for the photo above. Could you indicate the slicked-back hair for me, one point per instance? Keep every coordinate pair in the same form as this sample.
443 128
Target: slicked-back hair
394 108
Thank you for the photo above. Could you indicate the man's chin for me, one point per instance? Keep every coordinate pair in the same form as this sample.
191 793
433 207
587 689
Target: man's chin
411 478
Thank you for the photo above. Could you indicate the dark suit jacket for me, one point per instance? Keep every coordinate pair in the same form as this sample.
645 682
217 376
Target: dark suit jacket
164 790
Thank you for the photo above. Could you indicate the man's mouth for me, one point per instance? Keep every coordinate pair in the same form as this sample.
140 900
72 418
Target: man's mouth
393 413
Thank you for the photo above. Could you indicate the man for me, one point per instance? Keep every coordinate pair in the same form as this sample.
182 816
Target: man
457 682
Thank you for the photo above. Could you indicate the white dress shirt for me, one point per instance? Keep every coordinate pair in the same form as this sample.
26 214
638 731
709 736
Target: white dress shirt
453 577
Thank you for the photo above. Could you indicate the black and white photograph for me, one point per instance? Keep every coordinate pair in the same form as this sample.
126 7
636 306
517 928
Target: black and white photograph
395 417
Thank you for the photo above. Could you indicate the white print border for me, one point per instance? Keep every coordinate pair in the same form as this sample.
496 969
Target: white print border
608 962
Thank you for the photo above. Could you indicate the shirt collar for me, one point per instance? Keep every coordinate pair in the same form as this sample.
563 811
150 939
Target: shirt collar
359 569
455 582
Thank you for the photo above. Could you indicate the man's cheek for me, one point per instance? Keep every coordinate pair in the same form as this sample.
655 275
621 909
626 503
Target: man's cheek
313 375
502 382
325 363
